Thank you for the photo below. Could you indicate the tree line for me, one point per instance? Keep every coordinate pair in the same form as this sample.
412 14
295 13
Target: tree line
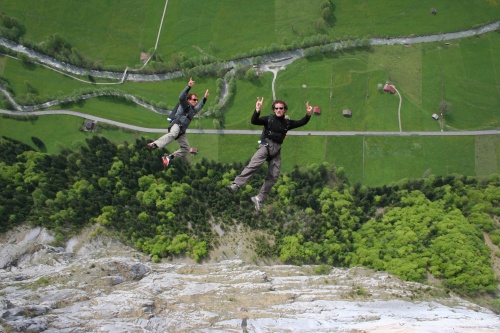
413 229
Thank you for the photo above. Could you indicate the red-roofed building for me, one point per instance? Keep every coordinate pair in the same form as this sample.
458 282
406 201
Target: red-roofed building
317 110
389 88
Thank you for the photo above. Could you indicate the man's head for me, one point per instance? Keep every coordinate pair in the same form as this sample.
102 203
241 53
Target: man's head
192 99
279 107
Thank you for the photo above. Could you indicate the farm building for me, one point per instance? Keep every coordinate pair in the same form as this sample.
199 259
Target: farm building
88 125
435 116
193 151
317 110
347 113
389 88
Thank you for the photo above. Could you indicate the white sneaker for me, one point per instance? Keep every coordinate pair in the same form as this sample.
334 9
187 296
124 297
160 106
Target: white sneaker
257 203
233 188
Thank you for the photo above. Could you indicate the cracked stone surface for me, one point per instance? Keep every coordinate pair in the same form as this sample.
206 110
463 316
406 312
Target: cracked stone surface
95 284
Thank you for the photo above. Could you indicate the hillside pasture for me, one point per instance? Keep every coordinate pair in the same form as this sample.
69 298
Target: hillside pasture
463 73
347 80
115 33
487 155
221 29
370 160
404 18
46 82
109 32
239 110
57 131
380 160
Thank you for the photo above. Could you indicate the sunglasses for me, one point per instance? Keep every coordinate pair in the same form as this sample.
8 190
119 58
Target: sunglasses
194 99
279 108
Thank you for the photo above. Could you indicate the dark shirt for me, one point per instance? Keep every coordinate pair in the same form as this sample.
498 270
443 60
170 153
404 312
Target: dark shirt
184 112
275 129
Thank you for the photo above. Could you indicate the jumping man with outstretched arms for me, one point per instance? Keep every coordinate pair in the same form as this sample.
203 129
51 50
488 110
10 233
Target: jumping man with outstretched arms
180 118
275 128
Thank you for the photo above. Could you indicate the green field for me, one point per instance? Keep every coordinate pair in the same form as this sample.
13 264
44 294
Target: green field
115 32
370 160
403 18
464 73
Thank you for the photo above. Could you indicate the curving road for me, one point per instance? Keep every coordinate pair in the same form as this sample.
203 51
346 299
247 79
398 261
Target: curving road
269 59
257 132
272 62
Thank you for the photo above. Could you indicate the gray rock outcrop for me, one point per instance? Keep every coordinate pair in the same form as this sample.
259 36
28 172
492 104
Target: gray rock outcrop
94 284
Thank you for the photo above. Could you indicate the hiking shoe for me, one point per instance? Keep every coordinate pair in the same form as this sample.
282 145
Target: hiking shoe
151 145
257 203
233 188
165 160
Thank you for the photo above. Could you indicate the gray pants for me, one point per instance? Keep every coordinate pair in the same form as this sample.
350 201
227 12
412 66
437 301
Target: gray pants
181 140
273 172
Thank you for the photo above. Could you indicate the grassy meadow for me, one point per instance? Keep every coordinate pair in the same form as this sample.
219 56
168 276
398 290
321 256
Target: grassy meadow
424 74
403 18
370 160
464 72
115 32
112 32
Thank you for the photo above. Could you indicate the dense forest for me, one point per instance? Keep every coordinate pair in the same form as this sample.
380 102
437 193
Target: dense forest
415 228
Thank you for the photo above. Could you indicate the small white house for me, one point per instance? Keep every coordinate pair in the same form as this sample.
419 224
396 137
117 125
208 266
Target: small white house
435 116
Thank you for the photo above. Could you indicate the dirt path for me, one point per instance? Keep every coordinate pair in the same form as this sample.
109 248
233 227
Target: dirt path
245 132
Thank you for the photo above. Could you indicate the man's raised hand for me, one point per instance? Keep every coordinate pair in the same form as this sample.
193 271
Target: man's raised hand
308 108
258 105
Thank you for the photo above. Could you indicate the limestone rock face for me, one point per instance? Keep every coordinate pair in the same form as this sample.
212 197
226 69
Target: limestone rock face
94 284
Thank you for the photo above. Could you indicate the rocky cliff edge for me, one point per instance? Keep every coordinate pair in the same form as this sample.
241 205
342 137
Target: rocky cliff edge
96 284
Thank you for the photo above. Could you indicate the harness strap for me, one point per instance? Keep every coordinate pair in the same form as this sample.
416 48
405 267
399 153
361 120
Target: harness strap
267 133
269 155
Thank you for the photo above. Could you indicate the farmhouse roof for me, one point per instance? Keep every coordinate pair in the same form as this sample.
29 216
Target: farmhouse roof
390 88
89 124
